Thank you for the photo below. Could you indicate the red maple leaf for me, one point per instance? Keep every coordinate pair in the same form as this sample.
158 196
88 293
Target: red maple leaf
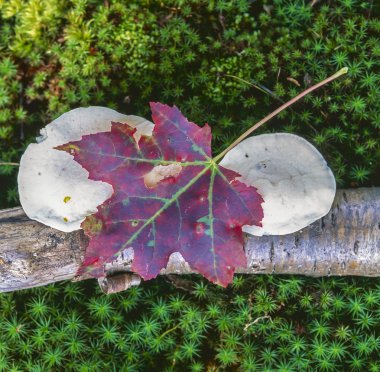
194 207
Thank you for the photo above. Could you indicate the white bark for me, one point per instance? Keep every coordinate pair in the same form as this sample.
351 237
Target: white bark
344 242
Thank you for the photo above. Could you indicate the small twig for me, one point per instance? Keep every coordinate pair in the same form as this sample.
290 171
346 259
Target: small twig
294 81
258 86
13 164
313 3
281 108
256 321
169 330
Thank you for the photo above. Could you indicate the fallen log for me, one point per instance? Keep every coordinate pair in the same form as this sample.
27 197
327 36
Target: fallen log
344 242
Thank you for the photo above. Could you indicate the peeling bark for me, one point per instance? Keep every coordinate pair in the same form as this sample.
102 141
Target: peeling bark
344 242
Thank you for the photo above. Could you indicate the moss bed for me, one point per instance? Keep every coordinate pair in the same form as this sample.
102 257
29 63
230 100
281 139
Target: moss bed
228 63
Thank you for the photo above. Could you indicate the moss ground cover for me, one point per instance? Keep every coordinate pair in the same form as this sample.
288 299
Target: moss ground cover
228 63
259 323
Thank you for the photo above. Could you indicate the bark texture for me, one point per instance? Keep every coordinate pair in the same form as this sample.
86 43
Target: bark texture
344 242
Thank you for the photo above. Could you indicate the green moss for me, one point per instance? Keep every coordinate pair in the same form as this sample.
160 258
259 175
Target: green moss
259 323
227 63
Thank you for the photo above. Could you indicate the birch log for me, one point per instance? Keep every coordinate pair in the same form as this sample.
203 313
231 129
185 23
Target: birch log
344 242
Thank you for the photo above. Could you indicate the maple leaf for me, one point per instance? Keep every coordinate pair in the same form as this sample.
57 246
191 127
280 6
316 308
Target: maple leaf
169 196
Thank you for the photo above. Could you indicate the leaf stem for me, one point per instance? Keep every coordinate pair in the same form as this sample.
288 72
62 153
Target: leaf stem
277 111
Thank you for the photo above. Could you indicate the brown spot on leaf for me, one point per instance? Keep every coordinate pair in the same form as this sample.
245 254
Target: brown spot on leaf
199 228
92 224
161 172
